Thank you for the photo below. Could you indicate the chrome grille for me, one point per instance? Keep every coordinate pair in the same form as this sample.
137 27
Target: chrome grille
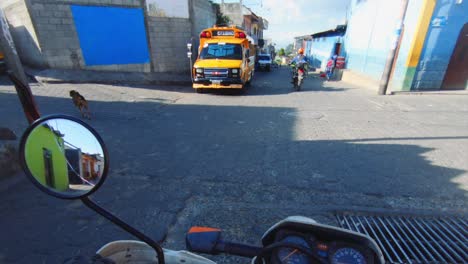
410 239
216 73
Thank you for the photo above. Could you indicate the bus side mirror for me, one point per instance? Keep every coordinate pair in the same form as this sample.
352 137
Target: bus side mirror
189 50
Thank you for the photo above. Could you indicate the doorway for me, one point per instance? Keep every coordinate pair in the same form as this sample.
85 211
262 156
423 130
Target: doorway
457 70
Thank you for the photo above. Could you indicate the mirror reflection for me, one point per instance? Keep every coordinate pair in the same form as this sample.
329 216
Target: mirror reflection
64 156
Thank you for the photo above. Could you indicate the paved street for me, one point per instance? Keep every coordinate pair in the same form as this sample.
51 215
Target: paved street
240 162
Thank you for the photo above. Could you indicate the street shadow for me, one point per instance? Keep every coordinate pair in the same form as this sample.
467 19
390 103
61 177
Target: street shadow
241 168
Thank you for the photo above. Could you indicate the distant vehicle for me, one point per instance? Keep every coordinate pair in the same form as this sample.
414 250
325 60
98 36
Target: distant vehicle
226 60
264 61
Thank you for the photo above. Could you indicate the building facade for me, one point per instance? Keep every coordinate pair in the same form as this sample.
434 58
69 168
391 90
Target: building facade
319 47
246 19
124 35
432 54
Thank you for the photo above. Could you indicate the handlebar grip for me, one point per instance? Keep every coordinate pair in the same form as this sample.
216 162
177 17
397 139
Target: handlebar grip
238 249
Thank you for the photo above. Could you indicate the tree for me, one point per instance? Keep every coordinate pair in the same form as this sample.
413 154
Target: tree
289 49
221 19
281 52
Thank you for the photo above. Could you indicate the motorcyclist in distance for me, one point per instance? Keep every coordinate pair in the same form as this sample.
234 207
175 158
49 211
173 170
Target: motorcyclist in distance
300 58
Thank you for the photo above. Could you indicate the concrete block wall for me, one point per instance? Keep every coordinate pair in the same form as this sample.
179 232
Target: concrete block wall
58 44
169 37
234 12
203 17
58 37
57 34
23 32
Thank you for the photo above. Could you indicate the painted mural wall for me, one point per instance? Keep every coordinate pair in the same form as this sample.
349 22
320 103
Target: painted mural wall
321 50
111 35
447 21
431 29
369 35
415 26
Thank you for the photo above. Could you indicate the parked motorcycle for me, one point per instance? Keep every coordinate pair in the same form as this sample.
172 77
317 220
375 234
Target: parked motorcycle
298 71
46 149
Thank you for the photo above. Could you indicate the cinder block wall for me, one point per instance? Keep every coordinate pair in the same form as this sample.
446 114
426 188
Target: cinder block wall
203 17
168 37
58 37
57 45
23 32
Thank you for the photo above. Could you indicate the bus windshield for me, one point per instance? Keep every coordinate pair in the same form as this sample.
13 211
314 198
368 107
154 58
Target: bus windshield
222 51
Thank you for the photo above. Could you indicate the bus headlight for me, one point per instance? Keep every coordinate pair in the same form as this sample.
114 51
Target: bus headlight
199 73
235 73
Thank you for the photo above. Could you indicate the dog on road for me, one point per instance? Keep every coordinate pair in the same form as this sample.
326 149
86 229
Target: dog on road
80 102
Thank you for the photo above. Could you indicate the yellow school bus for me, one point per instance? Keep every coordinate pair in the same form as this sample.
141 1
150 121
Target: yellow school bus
226 59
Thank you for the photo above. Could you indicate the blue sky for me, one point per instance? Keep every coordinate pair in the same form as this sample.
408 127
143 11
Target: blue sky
76 135
289 18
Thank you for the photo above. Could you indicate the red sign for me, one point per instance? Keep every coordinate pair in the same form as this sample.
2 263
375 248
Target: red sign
340 62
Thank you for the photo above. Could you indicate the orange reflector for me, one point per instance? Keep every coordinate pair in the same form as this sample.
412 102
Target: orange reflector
322 247
200 229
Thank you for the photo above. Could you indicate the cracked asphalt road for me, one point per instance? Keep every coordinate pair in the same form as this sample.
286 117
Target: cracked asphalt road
241 163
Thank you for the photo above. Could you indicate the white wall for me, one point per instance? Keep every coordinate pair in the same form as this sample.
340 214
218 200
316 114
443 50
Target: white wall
172 8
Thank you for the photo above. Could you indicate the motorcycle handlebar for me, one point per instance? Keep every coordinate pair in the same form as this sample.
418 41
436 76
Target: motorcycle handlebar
237 249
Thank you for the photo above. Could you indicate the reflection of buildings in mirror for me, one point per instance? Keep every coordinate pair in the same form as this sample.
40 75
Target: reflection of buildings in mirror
93 166
84 168
44 153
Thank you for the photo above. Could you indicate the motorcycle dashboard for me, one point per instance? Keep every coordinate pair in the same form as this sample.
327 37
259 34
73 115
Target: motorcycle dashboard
327 251
321 243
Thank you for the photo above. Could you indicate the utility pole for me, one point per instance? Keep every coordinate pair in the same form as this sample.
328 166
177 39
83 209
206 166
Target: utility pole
393 49
16 71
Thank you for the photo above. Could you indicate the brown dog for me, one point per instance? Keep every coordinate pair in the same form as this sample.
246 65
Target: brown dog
80 102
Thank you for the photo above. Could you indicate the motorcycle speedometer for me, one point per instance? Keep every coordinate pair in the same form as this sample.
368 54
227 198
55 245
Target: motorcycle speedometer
288 255
348 255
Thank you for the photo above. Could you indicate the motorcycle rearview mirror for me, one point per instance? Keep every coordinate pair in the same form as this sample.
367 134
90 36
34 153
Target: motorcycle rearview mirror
64 157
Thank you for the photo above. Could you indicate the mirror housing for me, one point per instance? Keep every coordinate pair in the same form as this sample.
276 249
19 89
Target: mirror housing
203 239
64 157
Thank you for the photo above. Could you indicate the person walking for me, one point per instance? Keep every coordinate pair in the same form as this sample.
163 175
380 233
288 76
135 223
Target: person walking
331 64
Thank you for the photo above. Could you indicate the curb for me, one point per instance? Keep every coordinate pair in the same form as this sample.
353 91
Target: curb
438 92
56 76
166 83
